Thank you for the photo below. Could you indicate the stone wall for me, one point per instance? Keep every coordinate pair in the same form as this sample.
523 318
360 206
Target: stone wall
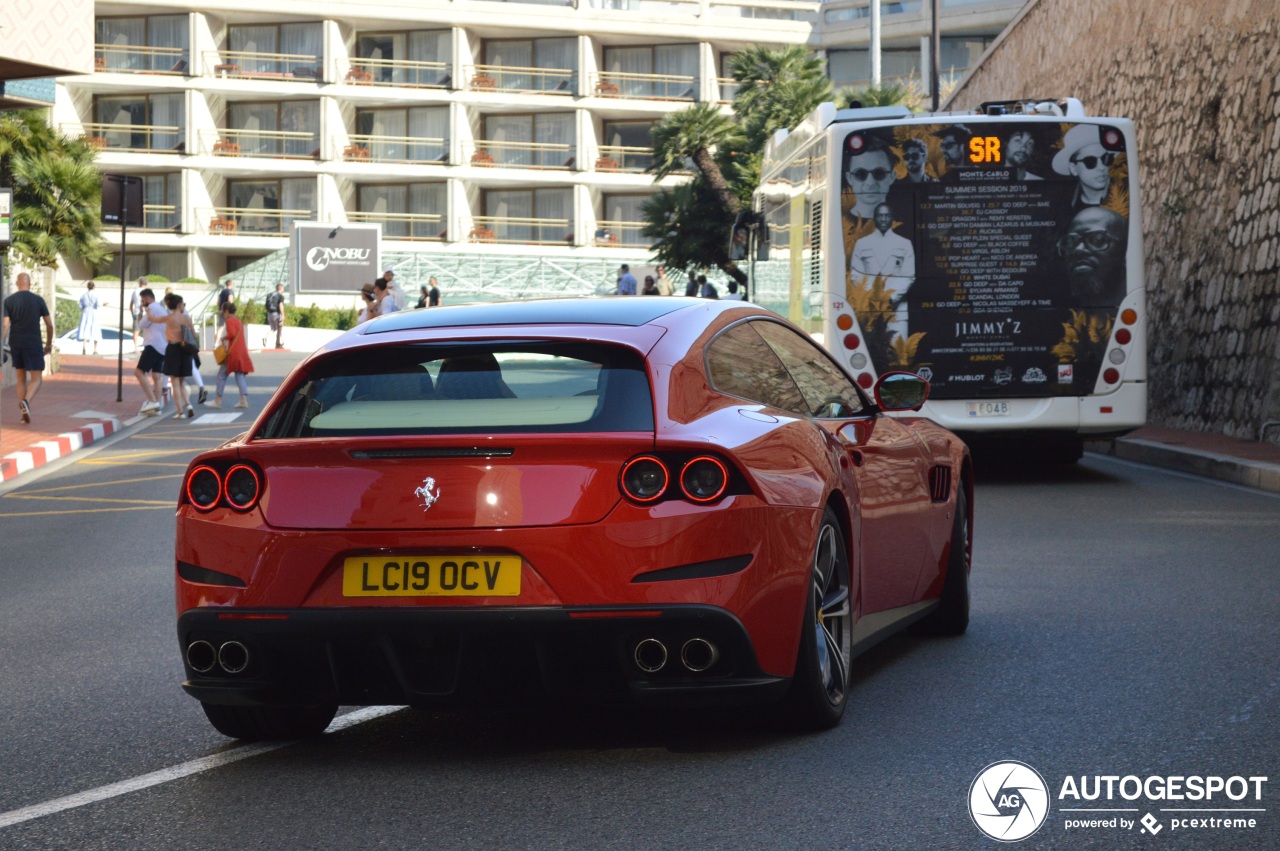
1201 81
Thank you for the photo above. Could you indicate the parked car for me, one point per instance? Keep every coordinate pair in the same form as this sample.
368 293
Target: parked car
667 501
69 342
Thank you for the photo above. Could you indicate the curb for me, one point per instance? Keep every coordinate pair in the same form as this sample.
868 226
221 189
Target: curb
1240 471
16 463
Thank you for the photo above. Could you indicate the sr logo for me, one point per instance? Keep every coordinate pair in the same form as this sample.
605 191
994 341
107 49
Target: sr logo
1008 801
319 258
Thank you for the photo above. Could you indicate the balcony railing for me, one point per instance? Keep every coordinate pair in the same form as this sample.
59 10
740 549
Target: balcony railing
135 59
157 218
134 138
526 231
280 144
249 65
421 227
621 235
651 86
728 88
508 78
399 72
623 158
396 149
256 221
550 155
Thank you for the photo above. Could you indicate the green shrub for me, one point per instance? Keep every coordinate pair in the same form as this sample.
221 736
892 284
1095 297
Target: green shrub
158 279
190 280
66 314
251 312
106 277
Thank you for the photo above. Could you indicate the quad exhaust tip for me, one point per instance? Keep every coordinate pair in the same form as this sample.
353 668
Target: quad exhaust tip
201 656
698 654
233 657
650 655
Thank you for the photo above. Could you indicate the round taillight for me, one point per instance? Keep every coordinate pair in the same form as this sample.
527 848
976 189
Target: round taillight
704 479
844 322
644 479
851 341
243 487
1123 336
1128 316
1111 376
865 381
204 488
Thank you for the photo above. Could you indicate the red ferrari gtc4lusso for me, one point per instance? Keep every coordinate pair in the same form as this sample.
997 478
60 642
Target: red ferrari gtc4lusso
664 501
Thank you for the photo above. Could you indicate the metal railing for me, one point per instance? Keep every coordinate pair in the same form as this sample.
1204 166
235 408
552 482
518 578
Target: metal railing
529 231
136 59
549 155
510 78
615 234
728 88
255 221
623 158
421 227
650 86
252 65
396 149
134 138
398 72
157 218
279 144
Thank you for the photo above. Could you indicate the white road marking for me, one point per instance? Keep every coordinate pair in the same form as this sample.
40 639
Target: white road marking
205 419
177 772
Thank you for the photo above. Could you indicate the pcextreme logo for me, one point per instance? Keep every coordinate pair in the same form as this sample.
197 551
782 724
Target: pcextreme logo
1009 801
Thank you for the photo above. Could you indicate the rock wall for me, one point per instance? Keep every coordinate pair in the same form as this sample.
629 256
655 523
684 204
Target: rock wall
1201 81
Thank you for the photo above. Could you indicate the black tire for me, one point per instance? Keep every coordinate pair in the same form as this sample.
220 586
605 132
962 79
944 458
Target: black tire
952 615
255 723
817 696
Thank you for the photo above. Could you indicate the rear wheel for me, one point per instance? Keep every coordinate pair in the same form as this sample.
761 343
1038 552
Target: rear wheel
952 615
816 699
253 723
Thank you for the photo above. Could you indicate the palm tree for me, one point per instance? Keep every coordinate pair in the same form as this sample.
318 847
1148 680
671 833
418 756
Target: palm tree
56 191
776 89
697 134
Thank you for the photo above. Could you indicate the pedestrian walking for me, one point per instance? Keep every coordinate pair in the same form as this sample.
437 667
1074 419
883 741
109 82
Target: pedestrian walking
228 294
89 330
135 308
177 358
23 312
237 359
150 368
275 313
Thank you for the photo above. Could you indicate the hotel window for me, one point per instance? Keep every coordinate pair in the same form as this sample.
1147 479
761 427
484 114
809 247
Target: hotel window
141 122
545 140
628 143
622 220
559 56
275 128
406 211
162 201
657 71
270 206
277 50
416 58
153 44
417 134
543 216
167 264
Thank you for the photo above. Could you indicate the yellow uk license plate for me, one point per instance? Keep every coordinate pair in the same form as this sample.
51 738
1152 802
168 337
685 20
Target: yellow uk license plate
483 575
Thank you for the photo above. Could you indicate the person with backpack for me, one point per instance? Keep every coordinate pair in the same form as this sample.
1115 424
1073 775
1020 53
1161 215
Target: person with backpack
275 313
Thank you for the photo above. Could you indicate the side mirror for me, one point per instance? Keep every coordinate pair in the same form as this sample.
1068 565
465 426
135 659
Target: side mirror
901 391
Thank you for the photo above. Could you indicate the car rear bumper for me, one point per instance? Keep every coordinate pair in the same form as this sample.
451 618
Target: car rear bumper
446 656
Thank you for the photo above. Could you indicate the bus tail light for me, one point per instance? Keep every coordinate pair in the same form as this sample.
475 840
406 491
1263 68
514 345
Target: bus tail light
1128 316
851 341
1123 336
1111 375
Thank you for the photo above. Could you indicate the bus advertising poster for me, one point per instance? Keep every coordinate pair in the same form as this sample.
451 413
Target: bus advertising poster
989 259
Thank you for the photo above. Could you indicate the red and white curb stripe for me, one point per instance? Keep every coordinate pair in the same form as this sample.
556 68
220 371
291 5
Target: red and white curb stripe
16 463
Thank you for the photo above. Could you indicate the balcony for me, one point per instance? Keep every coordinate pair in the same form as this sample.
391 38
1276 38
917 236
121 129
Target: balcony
728 88
621 235
396 149
246 65
624 159
132 138
156 218
133 59
278 144
402 73
546 155
650 86
418 227
507 78
255 221
507 229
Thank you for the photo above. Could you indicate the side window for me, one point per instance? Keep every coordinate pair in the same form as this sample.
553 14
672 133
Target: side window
828 392
740 363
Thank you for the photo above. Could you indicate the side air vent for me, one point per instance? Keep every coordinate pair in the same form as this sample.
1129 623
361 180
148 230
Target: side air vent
939 483
815 247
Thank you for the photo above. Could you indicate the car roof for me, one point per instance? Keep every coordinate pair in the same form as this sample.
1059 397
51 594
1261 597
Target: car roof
606 310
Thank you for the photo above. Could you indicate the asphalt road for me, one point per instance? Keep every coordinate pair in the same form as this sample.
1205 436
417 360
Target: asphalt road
1124 623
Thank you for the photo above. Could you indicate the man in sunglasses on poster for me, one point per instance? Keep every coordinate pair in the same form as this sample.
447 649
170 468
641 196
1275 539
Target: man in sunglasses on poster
1083 157
1093 253
869 173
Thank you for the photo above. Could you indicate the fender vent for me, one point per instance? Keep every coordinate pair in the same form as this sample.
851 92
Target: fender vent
939 483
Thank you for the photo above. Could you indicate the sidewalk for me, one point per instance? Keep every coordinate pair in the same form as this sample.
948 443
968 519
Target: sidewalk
77 406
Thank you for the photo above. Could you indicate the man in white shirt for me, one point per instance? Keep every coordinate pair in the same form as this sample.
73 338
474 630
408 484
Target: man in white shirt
386 300
150 369
883 253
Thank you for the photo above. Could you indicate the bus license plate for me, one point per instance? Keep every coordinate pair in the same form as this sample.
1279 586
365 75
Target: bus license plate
988 409
482 575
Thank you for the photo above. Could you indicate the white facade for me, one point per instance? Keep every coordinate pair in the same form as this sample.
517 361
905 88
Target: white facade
464 127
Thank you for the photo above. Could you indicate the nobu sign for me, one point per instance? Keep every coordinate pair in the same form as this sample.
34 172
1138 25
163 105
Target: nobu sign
333 258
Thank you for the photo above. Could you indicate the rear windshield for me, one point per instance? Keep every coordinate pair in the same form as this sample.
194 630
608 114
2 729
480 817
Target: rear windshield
475 388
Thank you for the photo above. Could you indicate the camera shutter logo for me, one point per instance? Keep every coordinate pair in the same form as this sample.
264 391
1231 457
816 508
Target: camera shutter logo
1008 801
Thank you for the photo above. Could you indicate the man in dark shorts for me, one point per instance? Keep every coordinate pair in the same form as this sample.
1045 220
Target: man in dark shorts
23 311
149 371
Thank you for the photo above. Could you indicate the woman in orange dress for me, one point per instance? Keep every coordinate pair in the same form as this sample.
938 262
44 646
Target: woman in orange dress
237 360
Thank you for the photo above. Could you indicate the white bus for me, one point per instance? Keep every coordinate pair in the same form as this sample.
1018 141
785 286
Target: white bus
997 253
